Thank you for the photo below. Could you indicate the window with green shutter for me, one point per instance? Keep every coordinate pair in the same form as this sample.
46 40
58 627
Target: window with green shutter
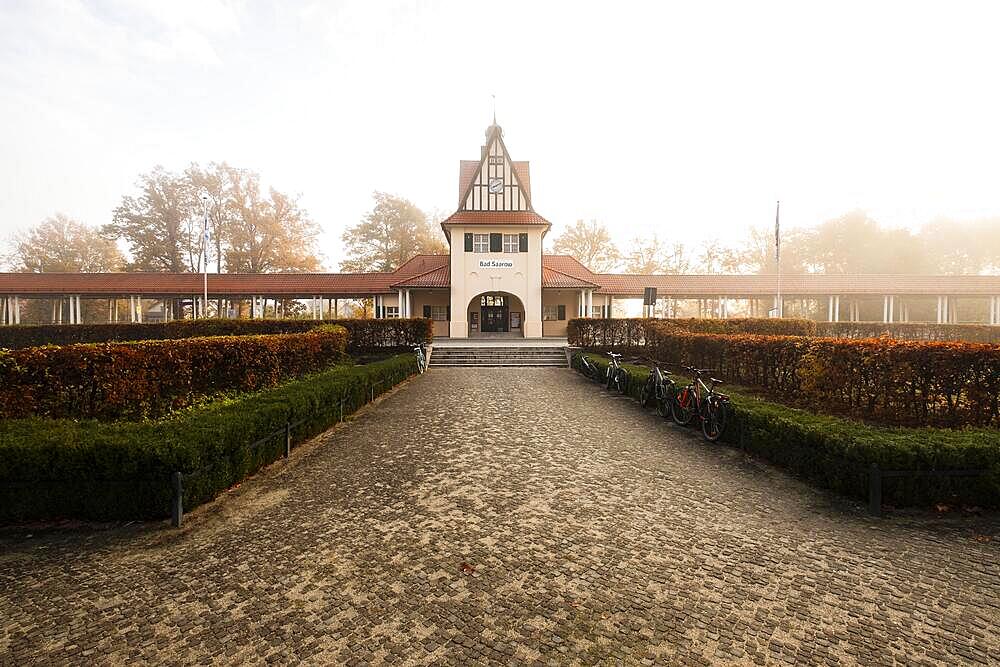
562 311
523 240
496 242
468 242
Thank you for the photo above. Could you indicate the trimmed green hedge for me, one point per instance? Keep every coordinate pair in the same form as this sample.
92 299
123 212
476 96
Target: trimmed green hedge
364 335
836 453
59 468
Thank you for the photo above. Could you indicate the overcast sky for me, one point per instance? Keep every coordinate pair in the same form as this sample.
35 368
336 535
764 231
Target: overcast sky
688 119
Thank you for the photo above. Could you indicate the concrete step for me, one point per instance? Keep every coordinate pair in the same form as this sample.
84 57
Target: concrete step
485 357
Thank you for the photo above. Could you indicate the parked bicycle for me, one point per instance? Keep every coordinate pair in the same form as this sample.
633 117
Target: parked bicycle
589 369
660 389
421 358
701 399
616 377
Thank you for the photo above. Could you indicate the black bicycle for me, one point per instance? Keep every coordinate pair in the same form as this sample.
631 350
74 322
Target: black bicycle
701 399
616 377
660 389
589 369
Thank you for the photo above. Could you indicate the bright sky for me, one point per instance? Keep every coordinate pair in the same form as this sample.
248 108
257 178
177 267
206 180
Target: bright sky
684 118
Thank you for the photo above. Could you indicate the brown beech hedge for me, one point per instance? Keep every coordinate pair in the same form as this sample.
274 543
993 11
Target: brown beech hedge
630 334
970 333
882 380
151 378
364 335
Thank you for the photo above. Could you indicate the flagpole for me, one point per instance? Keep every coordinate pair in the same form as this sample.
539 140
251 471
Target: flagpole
777 258
204 255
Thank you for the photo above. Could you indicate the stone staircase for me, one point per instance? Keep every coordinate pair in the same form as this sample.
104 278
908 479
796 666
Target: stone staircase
552 357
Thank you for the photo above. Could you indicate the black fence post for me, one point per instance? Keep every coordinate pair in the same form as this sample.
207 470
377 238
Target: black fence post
875 490
177 505
288 439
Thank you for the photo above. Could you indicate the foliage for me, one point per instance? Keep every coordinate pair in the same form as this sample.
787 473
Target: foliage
836 453
631 334
251 231
591 244
364 335
152 378
881 380
970 333
391 233
53 468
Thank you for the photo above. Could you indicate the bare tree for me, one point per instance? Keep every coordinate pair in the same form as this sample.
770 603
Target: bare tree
591 244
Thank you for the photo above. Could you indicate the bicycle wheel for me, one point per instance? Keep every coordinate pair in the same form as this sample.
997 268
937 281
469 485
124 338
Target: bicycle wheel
682 407
648 392
713 423
621 381
665 400
609 378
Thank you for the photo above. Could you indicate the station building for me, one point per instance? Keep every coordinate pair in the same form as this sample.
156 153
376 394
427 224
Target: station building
496 280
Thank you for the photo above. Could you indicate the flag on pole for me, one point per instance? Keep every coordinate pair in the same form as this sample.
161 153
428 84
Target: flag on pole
777 234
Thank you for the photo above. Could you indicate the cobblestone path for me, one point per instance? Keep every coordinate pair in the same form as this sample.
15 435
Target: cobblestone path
480 515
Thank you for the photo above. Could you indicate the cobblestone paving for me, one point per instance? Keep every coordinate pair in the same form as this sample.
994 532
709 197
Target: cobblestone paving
509 516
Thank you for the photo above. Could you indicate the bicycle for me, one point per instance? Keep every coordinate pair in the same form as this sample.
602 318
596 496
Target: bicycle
659 387
698 398
589 369
421 359
616 377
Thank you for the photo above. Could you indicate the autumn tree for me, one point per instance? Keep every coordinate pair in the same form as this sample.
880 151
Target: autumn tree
591 244
61 244
391 233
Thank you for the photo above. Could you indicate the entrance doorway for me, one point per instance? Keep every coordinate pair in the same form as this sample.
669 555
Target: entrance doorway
495 313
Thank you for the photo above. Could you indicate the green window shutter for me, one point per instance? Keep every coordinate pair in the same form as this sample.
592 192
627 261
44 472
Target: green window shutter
427 312
562 311
468 242
447 313
496 242
523 241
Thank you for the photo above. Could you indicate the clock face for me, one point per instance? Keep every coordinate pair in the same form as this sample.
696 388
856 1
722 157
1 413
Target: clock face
496 185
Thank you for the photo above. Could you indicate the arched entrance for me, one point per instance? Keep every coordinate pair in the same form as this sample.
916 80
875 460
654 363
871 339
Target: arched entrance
496 315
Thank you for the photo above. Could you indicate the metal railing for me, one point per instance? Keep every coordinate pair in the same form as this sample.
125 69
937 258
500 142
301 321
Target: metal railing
877 474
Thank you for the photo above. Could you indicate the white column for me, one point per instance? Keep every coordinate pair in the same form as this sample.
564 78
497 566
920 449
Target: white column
607 305
993 310
829 309
138 308
885 309
17 309
590 303
336 308
409 304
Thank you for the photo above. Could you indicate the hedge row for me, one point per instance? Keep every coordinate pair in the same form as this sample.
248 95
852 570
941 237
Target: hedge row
60 468
629 334
151 378
365 335
836 453
883 380
970 333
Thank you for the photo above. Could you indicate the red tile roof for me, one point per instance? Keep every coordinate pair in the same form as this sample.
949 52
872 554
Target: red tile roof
495 218
553 278
439 277
694 286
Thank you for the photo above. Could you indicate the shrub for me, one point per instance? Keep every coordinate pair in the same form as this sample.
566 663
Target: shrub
364 335
150 378
970 333
630 334
56 468
883 380
836 453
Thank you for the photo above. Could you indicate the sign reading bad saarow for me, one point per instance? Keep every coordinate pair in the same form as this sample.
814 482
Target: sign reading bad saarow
496 264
